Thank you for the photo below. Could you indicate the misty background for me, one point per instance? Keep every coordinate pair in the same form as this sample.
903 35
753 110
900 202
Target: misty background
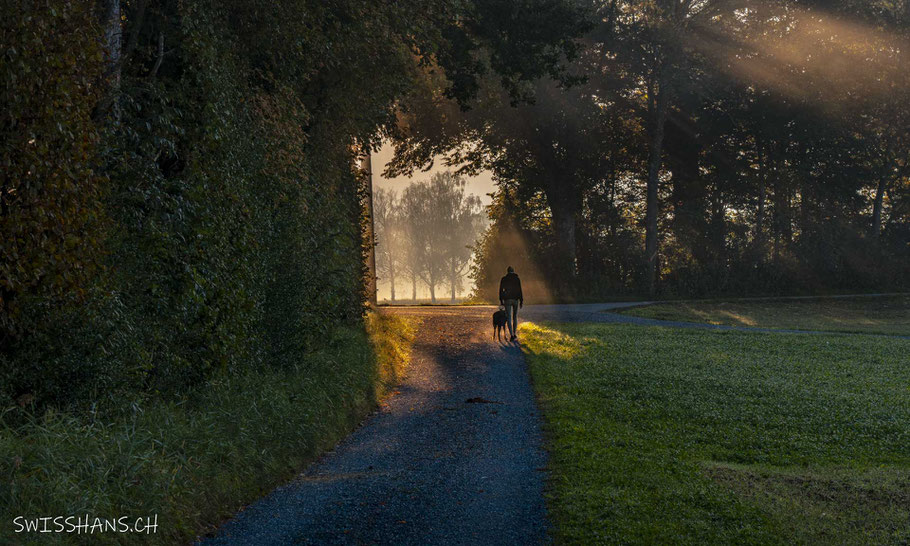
477 188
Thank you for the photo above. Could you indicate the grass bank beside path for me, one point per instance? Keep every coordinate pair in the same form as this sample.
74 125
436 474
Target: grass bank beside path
679 436
888 315
195 463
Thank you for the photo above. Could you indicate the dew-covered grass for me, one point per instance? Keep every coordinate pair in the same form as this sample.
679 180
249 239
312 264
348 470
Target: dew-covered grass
680 436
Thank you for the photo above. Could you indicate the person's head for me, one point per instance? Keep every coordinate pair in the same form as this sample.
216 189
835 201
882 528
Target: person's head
511 269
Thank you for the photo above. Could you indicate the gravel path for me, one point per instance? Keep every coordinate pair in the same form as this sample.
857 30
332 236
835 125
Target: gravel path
453 457
430 466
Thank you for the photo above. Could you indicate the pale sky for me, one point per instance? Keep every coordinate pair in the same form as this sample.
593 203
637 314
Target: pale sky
479 185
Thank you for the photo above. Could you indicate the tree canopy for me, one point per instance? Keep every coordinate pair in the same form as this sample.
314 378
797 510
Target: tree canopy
180 194
702 147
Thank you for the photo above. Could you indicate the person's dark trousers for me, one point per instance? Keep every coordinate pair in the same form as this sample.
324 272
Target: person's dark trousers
512 316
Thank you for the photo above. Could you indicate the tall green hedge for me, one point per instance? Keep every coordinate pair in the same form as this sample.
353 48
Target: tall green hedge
184 231
185 201
51 218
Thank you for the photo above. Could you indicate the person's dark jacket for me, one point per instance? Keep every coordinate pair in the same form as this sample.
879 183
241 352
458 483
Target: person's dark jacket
510 288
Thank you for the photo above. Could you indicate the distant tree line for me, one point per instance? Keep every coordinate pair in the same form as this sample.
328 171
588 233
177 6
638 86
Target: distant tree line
703 147
180 194
426 235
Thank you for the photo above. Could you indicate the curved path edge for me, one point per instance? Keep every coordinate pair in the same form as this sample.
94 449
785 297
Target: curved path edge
601 312
455 456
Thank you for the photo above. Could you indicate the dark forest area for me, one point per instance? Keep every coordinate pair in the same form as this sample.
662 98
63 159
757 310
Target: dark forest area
697 148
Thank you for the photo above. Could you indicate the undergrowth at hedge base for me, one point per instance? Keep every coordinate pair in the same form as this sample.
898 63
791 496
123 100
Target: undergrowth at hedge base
197 461
680 436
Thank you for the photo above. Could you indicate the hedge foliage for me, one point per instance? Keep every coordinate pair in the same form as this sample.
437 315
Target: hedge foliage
174 235
181 194
50 203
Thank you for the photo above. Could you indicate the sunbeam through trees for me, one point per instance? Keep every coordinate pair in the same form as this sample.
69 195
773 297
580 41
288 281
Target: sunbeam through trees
706 147
191 245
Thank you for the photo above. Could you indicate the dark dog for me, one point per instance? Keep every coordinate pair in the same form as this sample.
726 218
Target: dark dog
499 322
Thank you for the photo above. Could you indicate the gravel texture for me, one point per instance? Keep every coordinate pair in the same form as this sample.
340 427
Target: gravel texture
453 457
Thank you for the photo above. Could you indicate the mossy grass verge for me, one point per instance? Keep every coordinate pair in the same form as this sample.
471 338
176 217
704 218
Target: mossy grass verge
678 436
194 463
887 314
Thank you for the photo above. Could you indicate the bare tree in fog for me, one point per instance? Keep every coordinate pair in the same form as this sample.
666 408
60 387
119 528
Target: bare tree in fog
389 236
421 213
408 258
427 233
461 222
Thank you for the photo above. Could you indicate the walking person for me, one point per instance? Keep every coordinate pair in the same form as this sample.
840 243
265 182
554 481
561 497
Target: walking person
510 296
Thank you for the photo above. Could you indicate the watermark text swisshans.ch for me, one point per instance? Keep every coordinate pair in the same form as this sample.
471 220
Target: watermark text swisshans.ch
86 525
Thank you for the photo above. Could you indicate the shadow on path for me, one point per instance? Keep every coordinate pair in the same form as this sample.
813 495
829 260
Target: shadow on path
454 457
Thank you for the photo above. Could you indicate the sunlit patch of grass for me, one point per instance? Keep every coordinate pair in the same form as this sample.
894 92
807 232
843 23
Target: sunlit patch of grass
391 337
560 345
197 461
661 435
738 318
888 315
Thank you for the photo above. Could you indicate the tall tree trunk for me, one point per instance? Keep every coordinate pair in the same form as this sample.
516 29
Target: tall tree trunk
564 206
370 230
718 236
895 213
688 196
564 227
878 205
453 278
432 292
392 275
759 236
783 224
414 288
658 109
789 196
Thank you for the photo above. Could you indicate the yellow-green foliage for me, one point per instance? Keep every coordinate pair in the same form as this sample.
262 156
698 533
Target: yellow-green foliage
392 336
198 460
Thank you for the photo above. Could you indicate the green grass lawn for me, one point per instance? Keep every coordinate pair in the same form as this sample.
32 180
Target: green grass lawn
678 436
873 315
